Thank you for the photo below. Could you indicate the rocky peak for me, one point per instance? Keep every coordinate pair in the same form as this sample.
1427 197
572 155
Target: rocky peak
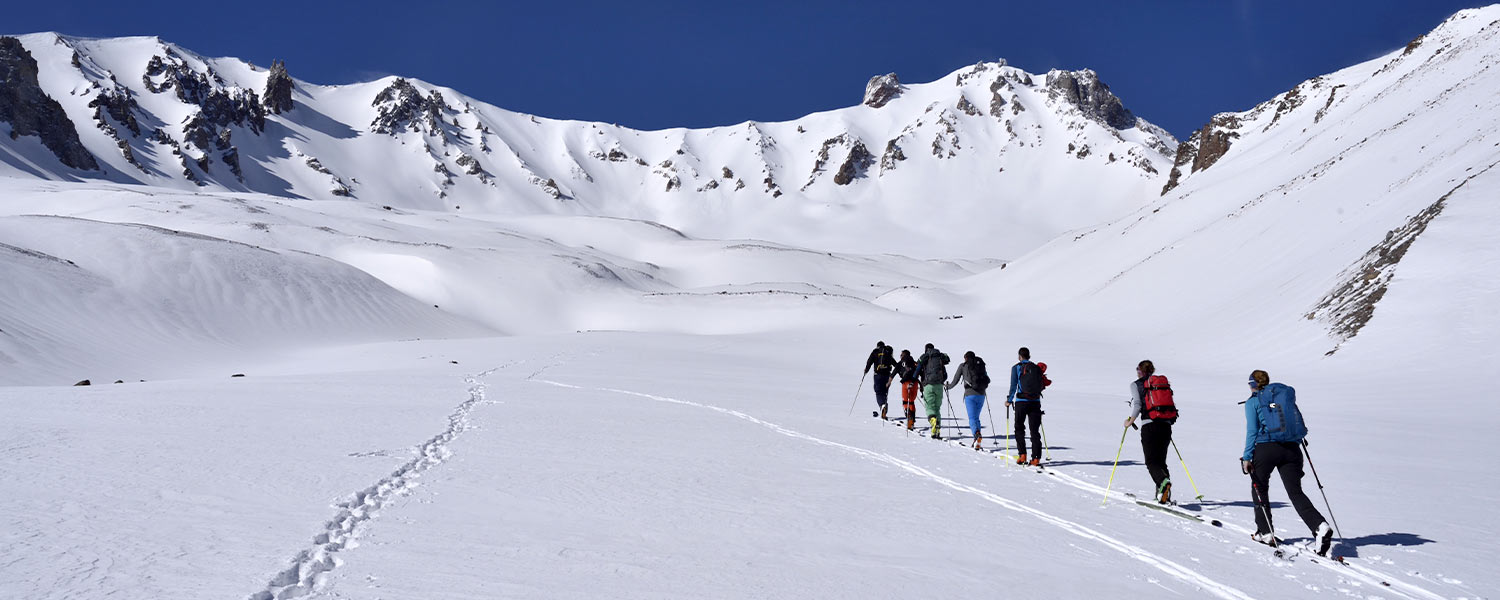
30 111
402 106
172 72
882 89
278 94
1204 147
1092 97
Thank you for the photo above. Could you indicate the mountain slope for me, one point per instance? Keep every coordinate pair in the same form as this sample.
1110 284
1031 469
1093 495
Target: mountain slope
984 143
1309 203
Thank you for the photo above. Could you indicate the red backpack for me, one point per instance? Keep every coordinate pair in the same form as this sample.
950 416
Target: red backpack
1158 399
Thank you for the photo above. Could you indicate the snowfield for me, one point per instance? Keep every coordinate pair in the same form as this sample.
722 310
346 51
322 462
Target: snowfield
577 468
387 396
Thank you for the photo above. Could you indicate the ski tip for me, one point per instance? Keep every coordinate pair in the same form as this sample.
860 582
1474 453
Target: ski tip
1216 523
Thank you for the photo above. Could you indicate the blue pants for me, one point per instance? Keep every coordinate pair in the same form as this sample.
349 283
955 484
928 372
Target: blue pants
882 387
975 404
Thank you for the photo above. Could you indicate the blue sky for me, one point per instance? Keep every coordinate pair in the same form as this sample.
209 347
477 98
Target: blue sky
654 65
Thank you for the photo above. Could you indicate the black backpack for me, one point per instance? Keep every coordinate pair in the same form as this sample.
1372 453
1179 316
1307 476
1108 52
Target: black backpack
978 375
933 371
1030 382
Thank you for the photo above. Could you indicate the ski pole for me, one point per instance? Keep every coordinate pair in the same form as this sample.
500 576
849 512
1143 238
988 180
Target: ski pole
991 414
1185 470
1320 491
1111 484
1007 428
1255 498
856 392
949 400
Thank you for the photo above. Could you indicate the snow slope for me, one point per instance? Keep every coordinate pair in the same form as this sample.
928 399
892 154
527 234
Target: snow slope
158 277
458 403
1302 223
666 466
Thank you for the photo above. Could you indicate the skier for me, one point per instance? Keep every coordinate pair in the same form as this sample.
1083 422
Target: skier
1026 383
906 369
1274 432
1151 403
885 366
932 372
976 379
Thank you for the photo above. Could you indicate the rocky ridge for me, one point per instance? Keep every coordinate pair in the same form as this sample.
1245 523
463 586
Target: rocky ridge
162 115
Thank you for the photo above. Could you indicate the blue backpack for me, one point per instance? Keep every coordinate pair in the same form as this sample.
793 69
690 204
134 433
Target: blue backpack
1279 416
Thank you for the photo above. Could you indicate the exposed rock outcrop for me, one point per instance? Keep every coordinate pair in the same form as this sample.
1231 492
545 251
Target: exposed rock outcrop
1092 97
945 142
30 111
855 164
967 107
1351 305
881 90
997 101
891 156
1203 148
403 107
278 94
120 106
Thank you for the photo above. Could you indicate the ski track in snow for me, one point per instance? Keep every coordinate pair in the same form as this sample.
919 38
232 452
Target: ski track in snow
309 571
1377 580
1161 563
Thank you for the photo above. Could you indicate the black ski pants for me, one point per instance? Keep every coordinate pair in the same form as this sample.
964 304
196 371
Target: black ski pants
1285 457
882 386
1028 411
1156 436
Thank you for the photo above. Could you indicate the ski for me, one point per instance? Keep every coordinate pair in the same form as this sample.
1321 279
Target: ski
1177 512
1173 509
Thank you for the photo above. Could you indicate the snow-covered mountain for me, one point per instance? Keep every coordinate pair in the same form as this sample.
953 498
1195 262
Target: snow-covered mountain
987 144
521 381
1344 214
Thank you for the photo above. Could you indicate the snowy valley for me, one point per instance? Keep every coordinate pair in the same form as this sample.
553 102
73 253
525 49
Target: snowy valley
486 354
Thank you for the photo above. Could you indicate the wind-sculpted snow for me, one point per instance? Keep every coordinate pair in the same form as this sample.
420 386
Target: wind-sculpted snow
124 298
200 278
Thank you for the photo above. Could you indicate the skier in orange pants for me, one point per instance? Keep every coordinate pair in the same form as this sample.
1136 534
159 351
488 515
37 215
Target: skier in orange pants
906 368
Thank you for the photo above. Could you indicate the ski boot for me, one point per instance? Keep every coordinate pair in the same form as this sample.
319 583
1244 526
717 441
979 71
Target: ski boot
1266 538
1021 459
882 412
1164 492
937 434
978 440
1324 536
1036 461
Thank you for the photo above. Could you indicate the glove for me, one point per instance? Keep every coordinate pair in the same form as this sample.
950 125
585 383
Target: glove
1129 421
1245 466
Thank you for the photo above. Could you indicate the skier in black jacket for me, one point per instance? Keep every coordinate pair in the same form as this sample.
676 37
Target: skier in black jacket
885 366
906 369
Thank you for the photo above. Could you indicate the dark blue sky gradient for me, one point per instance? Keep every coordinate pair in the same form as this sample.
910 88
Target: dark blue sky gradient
654 65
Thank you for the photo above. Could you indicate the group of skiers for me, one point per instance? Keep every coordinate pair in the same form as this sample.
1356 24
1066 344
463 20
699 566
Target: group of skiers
929 374
1274 429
